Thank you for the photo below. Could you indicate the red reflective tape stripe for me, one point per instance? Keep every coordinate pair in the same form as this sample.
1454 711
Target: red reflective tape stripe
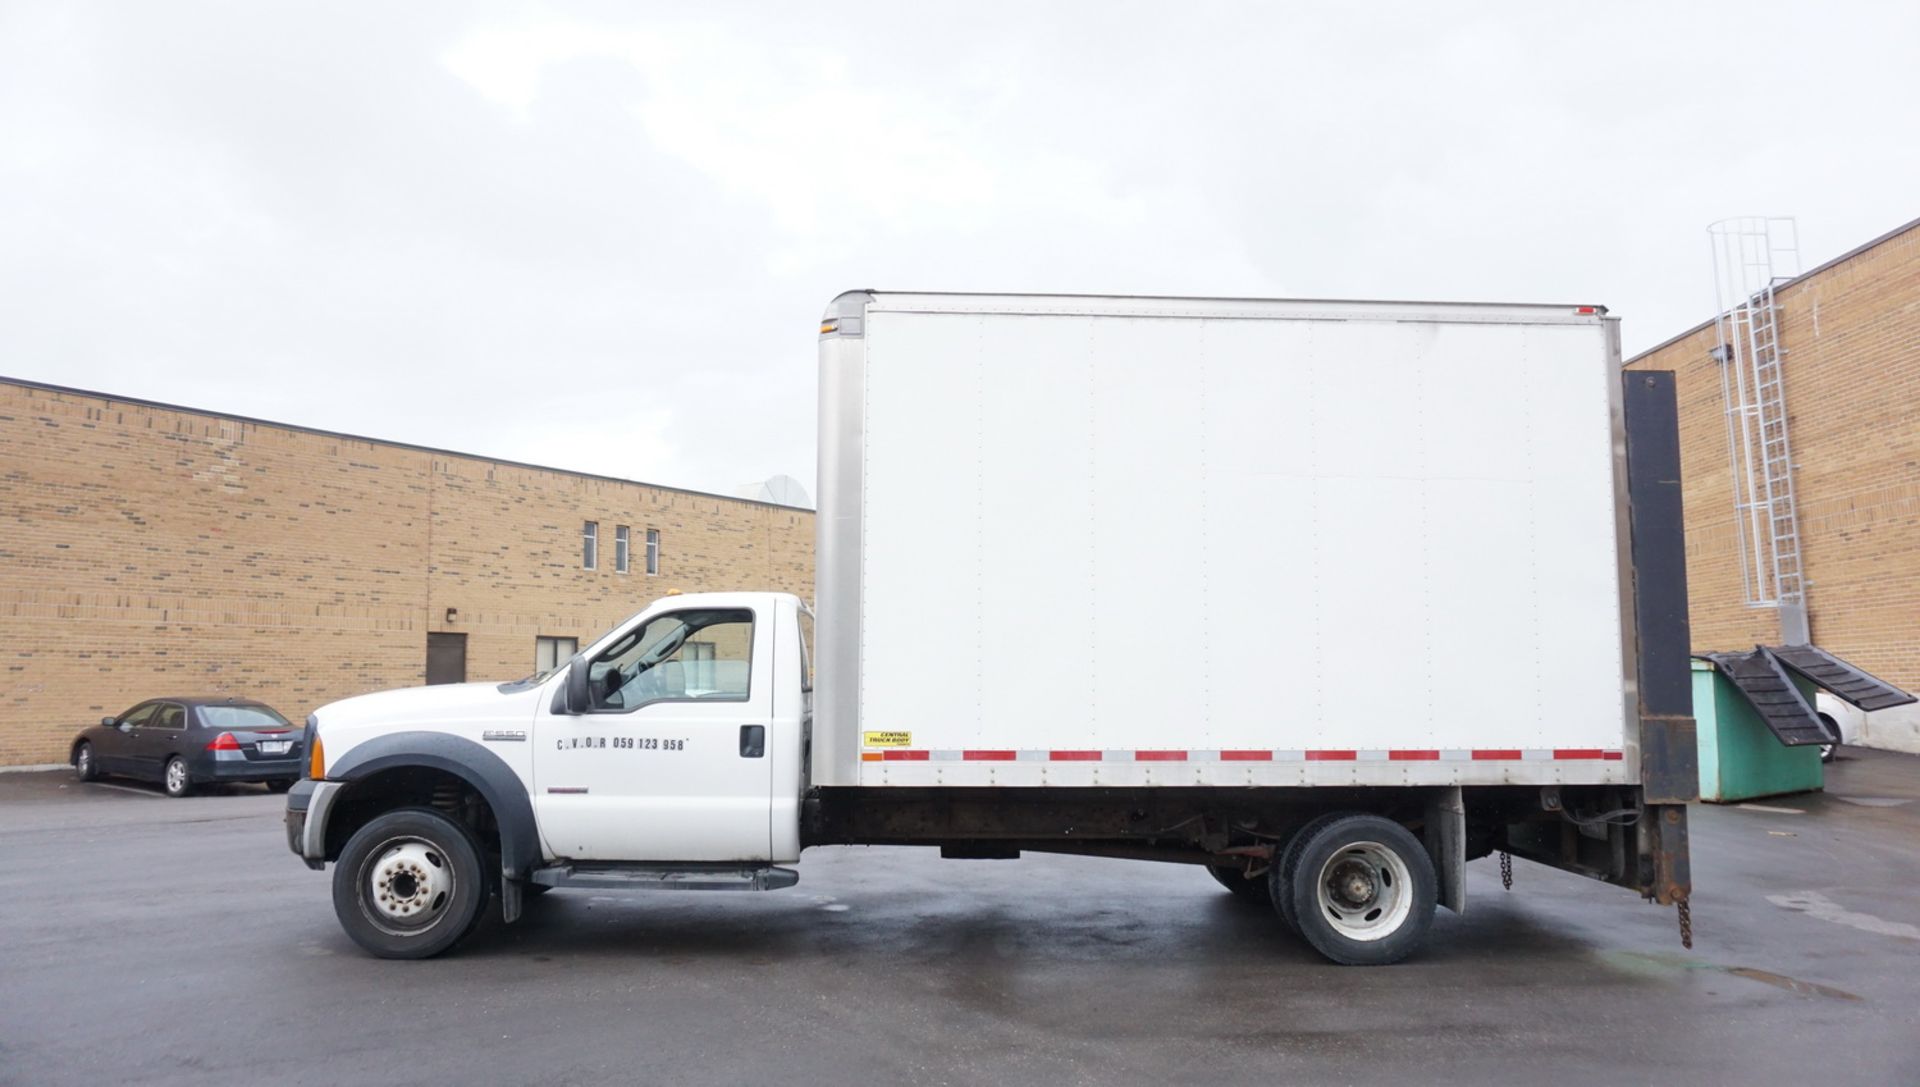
1497 754
1074 756
987 756
1613 756
1246 756
1413 756
1159 756
1577 753
1331 756
897 755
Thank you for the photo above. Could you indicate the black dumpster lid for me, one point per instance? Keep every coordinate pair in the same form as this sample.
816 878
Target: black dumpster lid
1843 680
1762 680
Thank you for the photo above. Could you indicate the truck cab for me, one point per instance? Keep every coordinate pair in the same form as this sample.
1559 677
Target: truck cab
677 740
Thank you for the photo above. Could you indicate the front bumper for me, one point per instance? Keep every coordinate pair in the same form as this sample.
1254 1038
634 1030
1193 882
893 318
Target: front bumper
308 803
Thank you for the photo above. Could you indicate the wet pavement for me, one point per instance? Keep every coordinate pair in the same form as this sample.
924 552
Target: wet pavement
148 940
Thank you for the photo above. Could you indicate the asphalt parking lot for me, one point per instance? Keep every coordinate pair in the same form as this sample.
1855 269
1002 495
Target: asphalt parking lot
148 940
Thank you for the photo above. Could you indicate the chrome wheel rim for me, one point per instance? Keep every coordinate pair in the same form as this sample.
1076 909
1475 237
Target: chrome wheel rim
406 885
176 776
86 759
1365 891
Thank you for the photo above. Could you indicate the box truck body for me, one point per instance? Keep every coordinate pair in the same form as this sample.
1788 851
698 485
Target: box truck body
1072 542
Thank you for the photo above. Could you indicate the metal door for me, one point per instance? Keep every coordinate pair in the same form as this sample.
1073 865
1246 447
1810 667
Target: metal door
446 658
671 761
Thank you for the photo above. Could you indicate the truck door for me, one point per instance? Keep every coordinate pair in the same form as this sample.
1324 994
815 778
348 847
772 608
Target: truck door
669 760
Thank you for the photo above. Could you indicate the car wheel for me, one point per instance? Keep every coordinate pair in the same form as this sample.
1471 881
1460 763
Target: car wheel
176 780
280 786
1234 878
1363 890
409 884
1829 751
84 767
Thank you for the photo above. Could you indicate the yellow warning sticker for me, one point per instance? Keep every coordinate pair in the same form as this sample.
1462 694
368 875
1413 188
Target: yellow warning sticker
886 739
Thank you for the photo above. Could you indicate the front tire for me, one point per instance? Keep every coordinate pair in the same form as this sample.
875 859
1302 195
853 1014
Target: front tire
84 767
409 884
176 779
1362 890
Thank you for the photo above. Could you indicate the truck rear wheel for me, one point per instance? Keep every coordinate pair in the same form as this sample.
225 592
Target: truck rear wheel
409 884
1362 890
1280 876
1235 879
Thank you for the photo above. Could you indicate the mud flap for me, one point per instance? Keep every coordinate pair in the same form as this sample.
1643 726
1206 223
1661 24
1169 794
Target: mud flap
1446 841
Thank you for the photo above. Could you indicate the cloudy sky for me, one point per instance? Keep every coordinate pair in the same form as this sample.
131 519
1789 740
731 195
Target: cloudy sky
598 235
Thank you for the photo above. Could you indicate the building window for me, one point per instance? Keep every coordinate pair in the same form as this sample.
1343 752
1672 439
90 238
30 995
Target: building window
551 653
590 545
620 549
653 551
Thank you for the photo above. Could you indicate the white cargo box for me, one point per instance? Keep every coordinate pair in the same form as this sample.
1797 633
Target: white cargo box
1081 541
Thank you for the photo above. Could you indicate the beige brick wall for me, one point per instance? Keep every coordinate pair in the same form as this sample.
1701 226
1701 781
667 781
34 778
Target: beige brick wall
146 550
1852 377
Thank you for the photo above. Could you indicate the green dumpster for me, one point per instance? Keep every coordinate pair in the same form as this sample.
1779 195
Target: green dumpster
1740 758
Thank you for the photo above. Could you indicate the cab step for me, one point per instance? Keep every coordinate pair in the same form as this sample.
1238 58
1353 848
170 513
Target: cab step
667 877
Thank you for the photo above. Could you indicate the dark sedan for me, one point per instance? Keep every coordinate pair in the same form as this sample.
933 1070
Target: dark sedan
183 742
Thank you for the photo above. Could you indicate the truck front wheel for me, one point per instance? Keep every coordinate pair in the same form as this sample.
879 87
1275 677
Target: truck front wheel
409 884
1362 890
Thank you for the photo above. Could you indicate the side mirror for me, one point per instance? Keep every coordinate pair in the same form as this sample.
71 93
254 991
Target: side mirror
108 722
579 696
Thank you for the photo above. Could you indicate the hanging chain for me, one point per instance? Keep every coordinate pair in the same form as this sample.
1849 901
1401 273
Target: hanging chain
1506 872
1685 909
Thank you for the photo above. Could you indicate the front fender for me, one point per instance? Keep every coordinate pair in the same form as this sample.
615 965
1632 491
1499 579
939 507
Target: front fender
489 775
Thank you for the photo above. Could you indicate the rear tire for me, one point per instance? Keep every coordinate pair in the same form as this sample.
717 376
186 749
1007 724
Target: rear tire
175 778
409 884
1362 890
1280 876
1235 879
84 766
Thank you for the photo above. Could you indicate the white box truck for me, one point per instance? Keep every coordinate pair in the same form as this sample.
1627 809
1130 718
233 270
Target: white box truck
1327 598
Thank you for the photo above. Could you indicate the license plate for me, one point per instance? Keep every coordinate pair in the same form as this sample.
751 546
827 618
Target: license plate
275 747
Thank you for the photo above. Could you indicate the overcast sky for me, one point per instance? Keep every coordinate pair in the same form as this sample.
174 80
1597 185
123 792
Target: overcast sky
598 236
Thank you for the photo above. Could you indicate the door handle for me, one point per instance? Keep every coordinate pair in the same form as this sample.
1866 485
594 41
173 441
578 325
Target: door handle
753 741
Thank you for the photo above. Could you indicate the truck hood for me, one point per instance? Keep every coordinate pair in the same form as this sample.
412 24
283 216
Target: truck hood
452 704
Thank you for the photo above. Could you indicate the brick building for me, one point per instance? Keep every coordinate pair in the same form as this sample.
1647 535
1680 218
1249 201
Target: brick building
149 549
1851 374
